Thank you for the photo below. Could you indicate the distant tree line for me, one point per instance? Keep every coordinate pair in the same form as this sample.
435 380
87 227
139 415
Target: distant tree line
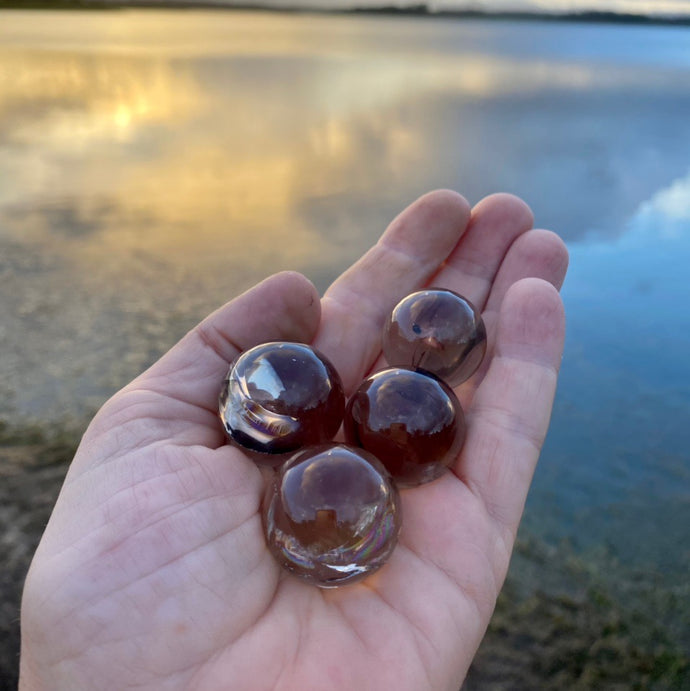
418 10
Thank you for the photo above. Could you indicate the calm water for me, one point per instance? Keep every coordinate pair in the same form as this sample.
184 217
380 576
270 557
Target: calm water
153 164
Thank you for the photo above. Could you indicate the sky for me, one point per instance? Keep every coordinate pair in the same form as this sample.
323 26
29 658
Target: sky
680 7
632 6
648 7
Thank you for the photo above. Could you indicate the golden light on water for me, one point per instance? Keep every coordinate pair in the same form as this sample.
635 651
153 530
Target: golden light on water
155 163
178 134
77 97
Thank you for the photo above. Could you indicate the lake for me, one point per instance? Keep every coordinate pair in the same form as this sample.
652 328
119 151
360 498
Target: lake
155 163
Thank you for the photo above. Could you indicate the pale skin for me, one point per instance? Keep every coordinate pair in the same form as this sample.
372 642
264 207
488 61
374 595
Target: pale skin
153 572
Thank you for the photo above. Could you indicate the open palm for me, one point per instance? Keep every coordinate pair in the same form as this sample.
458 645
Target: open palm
153 572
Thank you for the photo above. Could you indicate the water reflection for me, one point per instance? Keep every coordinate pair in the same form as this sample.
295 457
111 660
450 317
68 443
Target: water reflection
619 442
155 163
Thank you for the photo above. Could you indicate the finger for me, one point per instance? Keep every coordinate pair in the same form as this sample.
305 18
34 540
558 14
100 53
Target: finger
510 412
283 307
537 254
496 222
406 256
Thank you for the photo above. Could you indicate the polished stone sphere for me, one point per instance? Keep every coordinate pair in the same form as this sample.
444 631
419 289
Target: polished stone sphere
331 515
280 397
411 421
436 330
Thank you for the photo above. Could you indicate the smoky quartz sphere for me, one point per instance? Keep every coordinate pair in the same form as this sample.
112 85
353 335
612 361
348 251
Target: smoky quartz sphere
331 515
436 330
411 421
279 397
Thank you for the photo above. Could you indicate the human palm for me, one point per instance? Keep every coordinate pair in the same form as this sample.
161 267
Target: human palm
153 571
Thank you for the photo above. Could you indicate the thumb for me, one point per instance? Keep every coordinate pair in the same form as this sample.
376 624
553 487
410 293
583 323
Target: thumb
177 397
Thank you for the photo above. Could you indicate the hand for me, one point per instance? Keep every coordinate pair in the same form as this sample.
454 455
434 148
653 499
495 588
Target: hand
153 572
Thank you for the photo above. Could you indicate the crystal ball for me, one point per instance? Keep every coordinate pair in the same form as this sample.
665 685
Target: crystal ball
331 515
410 420
436 330
280 397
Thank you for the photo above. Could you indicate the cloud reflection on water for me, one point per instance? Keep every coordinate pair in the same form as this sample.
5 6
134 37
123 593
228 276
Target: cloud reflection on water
618 441
165 161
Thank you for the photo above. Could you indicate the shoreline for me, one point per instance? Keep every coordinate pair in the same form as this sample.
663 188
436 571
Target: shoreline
419 11
559 622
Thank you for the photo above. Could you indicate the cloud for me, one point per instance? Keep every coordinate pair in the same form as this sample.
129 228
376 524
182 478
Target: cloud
648 7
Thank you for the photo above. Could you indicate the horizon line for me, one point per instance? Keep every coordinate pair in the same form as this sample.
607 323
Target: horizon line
421 9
